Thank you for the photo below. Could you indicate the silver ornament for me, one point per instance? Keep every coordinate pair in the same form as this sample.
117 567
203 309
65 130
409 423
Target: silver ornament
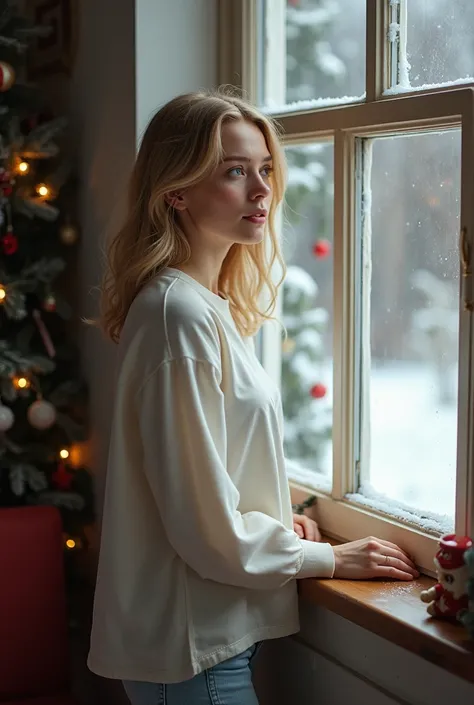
7 418
42 415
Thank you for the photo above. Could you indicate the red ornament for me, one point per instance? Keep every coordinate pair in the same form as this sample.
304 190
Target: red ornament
62 479
318 391
322 248
7 76
49 304
10 243
449 598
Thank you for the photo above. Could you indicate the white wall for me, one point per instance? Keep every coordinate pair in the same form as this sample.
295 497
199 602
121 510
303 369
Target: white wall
333 661
133 56
176 51
102 107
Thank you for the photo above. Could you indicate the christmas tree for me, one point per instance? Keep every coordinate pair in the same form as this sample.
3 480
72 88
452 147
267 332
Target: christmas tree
42 395
310 62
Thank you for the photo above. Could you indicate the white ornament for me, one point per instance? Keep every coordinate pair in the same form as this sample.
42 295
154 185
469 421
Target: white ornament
41 414
6 418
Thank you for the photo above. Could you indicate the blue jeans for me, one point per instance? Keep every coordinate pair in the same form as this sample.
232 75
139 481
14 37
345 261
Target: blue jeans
227 683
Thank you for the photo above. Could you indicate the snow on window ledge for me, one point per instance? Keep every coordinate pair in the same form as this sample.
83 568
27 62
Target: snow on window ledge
403 88
429 522
308 478
313 104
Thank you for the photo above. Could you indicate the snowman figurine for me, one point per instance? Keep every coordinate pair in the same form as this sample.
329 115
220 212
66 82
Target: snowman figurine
449 598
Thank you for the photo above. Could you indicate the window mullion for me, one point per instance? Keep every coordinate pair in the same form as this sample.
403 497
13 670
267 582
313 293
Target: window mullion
376 62
465 457
238 45
344 316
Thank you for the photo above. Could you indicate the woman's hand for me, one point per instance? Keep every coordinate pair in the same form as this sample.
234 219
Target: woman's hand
372 558
306 528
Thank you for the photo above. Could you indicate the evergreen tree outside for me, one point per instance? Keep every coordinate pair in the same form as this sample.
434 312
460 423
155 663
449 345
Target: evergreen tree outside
42 394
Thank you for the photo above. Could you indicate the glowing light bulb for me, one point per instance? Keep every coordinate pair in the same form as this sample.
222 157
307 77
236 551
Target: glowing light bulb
3 294
22 382
43 190
70 543
64 453
23 167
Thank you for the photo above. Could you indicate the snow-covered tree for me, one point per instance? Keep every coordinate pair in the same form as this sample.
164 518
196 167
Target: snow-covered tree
307 413
434 331
311 60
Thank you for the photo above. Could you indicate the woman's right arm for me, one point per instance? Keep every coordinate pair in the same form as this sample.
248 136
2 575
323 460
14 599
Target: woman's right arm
183 432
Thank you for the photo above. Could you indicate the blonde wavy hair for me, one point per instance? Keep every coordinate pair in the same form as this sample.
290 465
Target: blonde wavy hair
181 146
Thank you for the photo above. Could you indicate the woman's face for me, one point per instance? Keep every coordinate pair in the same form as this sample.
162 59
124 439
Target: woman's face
231 205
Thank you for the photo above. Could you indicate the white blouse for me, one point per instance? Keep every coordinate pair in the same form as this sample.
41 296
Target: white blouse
198 555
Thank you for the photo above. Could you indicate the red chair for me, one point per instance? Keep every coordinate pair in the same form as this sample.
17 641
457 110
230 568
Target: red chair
34 662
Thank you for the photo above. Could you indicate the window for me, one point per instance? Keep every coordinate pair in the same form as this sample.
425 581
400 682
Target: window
377 370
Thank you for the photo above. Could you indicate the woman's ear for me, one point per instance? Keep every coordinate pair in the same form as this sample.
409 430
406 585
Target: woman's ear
175 199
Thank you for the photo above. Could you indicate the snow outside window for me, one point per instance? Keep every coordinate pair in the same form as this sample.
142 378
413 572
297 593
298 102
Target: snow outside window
409 325
318 47
376 101
432 43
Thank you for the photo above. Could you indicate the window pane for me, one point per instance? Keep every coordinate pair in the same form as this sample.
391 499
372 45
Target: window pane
439 43
307 303
312 49
410 364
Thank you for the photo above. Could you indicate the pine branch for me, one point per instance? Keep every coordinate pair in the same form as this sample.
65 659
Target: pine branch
39 142
13 362
45 270
8 445
33 207
34 31
12 43
24 475
67 500
15 304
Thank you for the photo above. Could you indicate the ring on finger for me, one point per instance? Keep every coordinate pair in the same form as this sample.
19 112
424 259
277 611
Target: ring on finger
387 560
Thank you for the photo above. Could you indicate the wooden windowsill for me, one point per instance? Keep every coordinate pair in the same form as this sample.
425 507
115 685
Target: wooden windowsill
394 611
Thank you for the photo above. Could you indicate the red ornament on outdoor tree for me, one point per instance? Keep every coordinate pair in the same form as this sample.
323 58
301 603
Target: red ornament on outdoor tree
322 248
9 243
318 391
62 479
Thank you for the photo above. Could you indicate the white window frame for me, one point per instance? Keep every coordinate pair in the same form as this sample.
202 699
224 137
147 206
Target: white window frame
378 115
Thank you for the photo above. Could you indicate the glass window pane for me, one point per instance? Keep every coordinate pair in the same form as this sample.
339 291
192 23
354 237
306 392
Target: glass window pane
409 363
307 305
312 49
439 43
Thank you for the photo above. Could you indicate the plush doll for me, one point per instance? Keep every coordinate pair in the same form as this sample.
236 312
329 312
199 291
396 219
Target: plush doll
448 598
468 617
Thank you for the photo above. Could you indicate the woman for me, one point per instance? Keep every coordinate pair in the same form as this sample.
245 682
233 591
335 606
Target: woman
200 552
